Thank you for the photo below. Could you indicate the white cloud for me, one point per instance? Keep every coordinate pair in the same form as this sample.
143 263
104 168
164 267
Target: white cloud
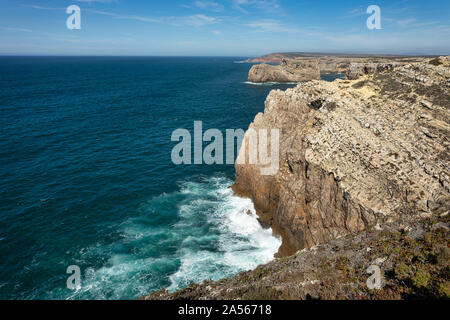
41 7
15 29
356 12
130 17
269 26
197 20
406 22
208 5
266 5
105 13
102 1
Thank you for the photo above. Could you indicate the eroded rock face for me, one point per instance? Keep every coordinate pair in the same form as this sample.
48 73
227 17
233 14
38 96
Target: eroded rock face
288 70
357 70
353 154
353 66
373 152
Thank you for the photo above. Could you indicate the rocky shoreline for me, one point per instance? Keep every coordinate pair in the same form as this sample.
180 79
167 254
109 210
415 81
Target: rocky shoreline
288 70
364 179
413 257
299 68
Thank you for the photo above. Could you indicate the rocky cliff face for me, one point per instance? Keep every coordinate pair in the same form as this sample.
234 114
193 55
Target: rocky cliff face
364 180
357 70
287 71
353 154
304 68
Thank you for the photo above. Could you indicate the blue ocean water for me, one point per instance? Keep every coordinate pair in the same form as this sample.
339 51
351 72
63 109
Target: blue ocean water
87 179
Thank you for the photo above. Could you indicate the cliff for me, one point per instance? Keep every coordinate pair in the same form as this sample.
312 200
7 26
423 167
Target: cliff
287 71
303 67
363 179
357 70
353 154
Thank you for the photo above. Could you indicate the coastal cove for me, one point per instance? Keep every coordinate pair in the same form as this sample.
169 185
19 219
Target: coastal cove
93 135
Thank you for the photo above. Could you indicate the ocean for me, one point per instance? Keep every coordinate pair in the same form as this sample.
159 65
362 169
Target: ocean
87 178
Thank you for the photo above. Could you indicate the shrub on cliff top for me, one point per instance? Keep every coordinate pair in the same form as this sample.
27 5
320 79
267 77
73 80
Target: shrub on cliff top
435 62
421 278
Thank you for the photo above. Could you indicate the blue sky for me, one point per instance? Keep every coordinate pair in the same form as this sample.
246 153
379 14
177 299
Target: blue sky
224 28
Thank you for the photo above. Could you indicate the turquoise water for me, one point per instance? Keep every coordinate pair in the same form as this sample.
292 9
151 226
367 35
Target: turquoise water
86 176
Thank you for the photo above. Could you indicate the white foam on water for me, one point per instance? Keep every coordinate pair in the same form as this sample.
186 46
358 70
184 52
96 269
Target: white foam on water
268 83
121 277
215 235
242 244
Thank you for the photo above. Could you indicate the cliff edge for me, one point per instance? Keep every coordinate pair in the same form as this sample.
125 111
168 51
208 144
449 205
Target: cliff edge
304 67
288 70
363 180
353 154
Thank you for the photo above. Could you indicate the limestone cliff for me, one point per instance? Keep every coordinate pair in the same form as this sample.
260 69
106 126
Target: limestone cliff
364 180
353 154
357 70
287 71
303 67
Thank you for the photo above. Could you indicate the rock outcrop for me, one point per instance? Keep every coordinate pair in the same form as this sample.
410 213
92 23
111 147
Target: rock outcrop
364 179
269 58
353 154
357 70
287 71
291 65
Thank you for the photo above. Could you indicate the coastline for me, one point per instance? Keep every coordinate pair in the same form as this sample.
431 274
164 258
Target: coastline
356 222
266 219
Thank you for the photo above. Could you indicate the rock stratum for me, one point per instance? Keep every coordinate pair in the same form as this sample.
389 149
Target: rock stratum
363 179
288 70
353 154
357 70
305 67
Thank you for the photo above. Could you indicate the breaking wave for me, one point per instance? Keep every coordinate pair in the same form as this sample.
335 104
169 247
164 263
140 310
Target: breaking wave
214 234
268 83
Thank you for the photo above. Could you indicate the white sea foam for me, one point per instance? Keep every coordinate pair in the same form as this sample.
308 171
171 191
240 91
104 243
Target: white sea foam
242 243
268 83
215 234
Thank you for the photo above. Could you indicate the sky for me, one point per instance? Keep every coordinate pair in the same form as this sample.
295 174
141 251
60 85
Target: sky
223 27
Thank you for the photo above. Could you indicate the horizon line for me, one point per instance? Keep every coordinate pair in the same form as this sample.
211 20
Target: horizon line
231 56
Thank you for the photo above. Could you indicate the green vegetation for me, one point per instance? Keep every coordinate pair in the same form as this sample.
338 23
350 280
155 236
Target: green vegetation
421 278
416 265
421 267
435 62
402 271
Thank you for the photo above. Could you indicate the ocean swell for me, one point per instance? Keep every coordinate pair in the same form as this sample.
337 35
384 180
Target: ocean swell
234 240
203 231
